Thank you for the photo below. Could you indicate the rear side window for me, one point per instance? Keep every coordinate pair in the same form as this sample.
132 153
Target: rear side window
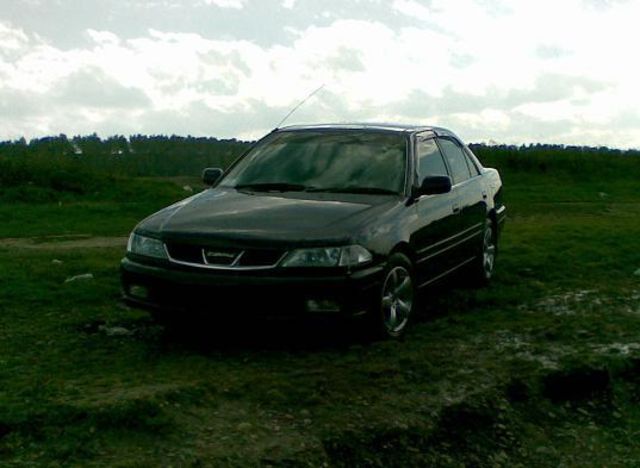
430 162
473 167
456 159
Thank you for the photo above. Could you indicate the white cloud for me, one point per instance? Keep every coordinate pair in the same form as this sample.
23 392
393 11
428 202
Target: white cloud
412 8
103 37
488 73
236 4
12 38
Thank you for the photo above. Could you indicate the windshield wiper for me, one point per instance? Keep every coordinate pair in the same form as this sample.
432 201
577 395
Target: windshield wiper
363 190
272 187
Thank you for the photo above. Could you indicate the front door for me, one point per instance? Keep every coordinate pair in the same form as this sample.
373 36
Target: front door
437 217
470 199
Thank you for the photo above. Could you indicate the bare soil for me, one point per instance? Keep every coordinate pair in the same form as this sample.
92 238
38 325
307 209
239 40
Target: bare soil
62 242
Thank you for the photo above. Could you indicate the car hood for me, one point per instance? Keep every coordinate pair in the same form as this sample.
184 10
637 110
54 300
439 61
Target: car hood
269 218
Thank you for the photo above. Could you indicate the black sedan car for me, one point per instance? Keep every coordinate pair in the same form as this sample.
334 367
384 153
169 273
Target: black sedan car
327 219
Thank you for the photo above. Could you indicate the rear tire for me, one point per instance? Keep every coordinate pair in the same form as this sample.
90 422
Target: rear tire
483 265
394 306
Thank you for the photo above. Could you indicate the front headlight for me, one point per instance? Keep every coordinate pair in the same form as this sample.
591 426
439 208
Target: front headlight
348 256
146 246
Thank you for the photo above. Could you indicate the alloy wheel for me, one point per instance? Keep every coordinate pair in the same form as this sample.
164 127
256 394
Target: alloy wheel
488 252
397 299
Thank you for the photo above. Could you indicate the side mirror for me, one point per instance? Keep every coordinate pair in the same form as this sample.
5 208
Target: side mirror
211 175
434 185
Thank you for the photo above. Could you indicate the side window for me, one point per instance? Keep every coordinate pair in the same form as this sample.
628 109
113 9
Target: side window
430 160
472 165
456 159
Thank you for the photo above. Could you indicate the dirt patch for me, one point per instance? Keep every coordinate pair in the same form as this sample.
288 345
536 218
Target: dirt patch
474 432
62 242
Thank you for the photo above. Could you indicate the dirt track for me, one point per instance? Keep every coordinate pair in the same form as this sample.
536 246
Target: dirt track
62 242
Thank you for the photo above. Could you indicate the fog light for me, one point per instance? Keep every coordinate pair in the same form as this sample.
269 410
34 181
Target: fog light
323 305
141 292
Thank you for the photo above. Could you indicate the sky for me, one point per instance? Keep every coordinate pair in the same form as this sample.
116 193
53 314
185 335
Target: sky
507 71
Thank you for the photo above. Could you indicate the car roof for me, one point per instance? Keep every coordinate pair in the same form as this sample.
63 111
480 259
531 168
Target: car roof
377 127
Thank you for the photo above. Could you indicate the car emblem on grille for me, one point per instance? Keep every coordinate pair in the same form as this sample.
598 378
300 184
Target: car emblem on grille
216 257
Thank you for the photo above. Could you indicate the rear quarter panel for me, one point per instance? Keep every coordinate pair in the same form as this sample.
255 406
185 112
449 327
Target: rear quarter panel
493 186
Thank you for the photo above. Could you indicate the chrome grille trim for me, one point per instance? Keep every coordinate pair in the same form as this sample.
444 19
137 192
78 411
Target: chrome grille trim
236 258
233 266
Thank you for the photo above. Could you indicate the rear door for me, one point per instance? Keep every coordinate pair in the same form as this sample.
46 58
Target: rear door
437 222
470 199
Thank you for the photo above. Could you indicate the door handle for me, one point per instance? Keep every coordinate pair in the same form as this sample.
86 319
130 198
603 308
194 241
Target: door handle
456 208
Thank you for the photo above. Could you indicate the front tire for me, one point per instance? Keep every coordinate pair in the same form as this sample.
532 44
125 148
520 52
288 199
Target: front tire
395 304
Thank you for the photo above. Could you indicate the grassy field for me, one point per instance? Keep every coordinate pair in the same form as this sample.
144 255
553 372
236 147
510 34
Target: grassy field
540 369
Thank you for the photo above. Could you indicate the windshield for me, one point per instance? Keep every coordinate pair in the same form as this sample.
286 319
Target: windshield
348 161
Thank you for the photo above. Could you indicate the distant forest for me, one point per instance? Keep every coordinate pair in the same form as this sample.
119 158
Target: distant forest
137 155
159 155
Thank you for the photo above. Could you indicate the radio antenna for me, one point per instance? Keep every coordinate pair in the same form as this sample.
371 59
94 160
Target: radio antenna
300 105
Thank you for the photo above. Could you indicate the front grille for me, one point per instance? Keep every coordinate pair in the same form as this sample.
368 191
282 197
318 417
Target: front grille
220 257
186 253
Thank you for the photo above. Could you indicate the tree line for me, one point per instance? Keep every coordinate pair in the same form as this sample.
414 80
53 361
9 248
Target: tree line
137 155
68 159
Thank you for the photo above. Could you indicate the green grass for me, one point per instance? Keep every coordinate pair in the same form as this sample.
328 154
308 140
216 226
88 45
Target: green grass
473 384
112 209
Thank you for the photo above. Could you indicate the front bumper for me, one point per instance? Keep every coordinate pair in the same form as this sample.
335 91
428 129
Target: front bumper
171 288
